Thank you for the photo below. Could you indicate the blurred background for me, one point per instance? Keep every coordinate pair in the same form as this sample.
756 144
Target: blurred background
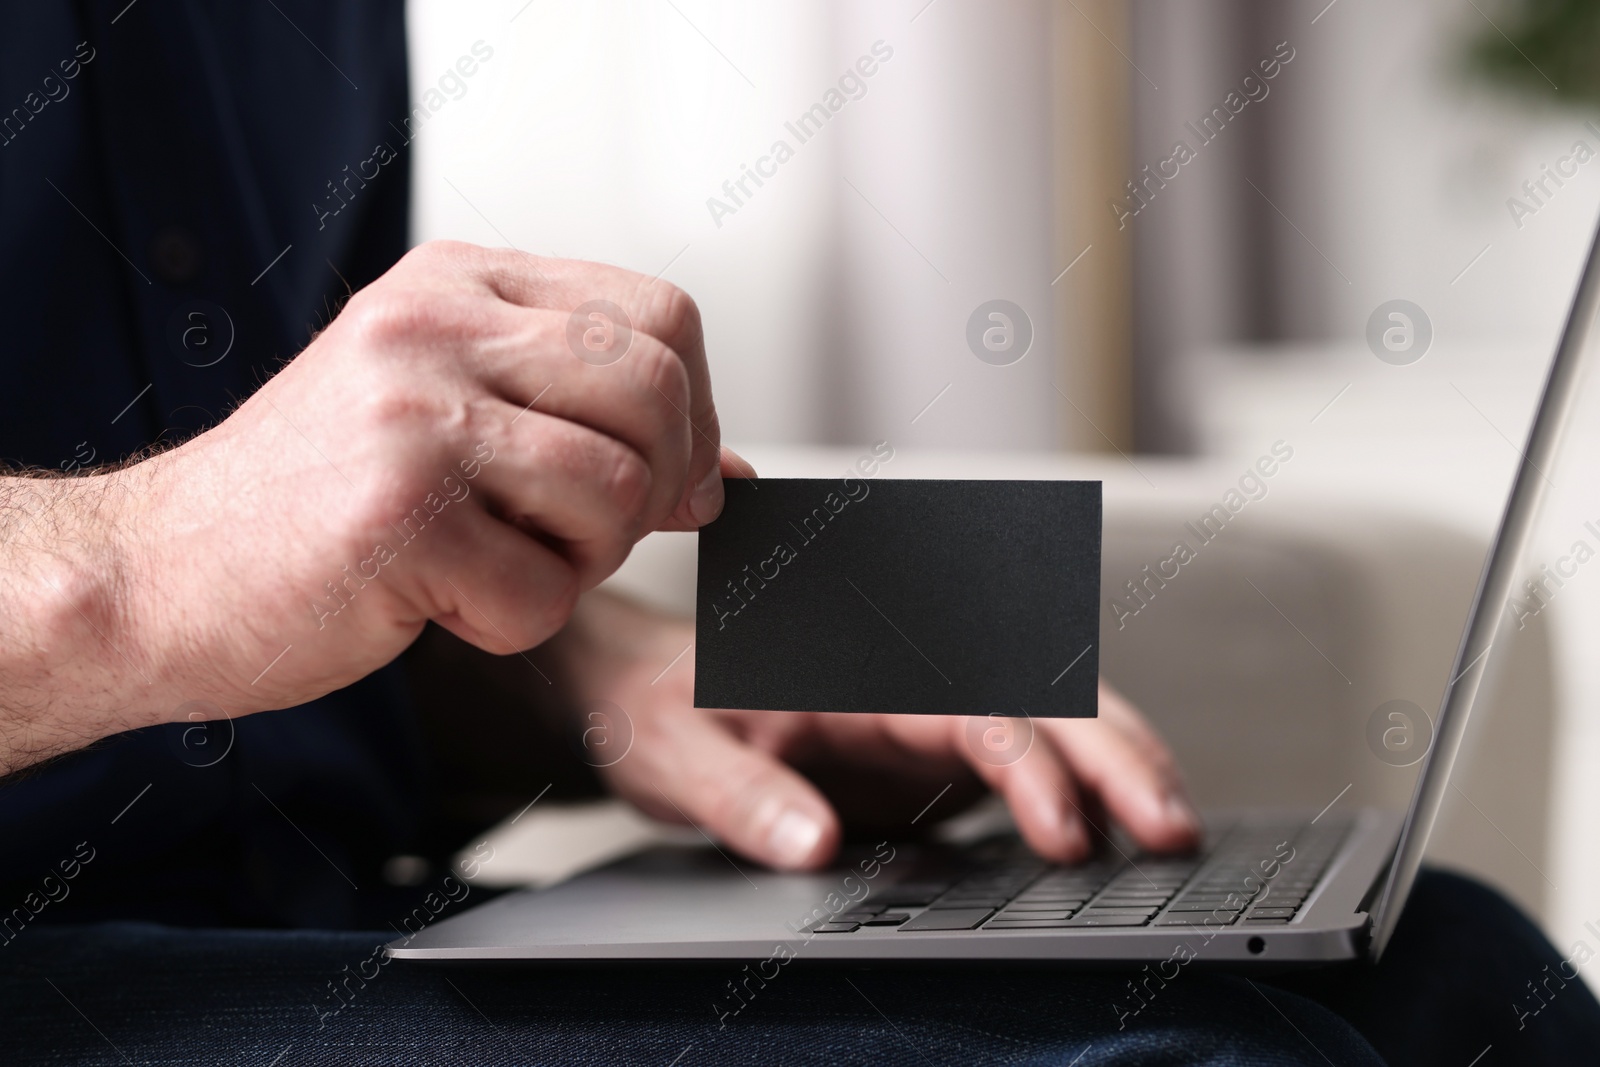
1198 214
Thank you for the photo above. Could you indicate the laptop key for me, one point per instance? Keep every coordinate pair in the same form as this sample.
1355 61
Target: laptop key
1130 902
1063 900
948 919
1284 900
887 918
1199 918
1143 913
1271 913
1031 916
836 928
1106 920
1026 924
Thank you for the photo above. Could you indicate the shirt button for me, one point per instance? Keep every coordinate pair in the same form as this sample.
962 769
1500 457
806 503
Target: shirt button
175 255
406 870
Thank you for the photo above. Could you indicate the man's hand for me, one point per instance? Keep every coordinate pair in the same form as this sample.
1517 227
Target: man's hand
454 446
738 773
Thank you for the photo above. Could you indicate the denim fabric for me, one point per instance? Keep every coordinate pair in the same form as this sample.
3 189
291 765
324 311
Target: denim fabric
135 993
1466 971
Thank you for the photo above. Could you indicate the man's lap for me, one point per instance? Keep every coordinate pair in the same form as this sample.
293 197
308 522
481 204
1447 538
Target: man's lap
98 994
123 993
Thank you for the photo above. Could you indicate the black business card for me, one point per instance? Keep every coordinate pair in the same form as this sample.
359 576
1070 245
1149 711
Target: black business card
901 595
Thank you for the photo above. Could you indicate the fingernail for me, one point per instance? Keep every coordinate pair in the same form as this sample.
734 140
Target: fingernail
1075 840
794 837
705 503
1180 813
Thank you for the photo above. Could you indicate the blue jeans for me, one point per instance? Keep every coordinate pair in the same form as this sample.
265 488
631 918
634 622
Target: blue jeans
121 993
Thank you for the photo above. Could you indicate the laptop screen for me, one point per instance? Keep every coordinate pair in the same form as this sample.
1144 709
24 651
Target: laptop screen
1495 587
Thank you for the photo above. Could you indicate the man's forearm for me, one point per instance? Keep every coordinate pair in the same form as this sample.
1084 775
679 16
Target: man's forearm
73 668
422 459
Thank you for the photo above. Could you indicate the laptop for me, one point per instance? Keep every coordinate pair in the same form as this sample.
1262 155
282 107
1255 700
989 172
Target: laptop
1267 887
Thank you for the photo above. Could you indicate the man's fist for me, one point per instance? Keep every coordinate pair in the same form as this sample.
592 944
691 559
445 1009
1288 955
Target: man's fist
469 441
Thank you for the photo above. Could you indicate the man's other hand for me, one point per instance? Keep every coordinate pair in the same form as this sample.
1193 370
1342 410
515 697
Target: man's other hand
738 774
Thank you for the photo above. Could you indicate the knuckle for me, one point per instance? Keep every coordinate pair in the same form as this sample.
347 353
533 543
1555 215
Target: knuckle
660 368
395 318
381 318
558 602
671 313
626 482
437 252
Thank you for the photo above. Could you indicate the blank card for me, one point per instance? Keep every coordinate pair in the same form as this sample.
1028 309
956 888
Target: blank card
901 595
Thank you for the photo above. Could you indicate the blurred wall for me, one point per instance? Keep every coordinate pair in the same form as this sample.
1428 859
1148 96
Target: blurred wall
837 292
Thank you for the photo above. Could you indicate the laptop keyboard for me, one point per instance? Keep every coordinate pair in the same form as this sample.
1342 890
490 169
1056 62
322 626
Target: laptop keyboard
1256 874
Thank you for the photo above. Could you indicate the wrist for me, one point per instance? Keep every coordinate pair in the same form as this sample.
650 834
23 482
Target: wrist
134 587
75 657
106 601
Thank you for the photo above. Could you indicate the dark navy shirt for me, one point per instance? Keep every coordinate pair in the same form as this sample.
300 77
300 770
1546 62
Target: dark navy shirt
165 244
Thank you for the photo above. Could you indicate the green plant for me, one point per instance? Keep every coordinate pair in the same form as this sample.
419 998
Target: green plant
1546 47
